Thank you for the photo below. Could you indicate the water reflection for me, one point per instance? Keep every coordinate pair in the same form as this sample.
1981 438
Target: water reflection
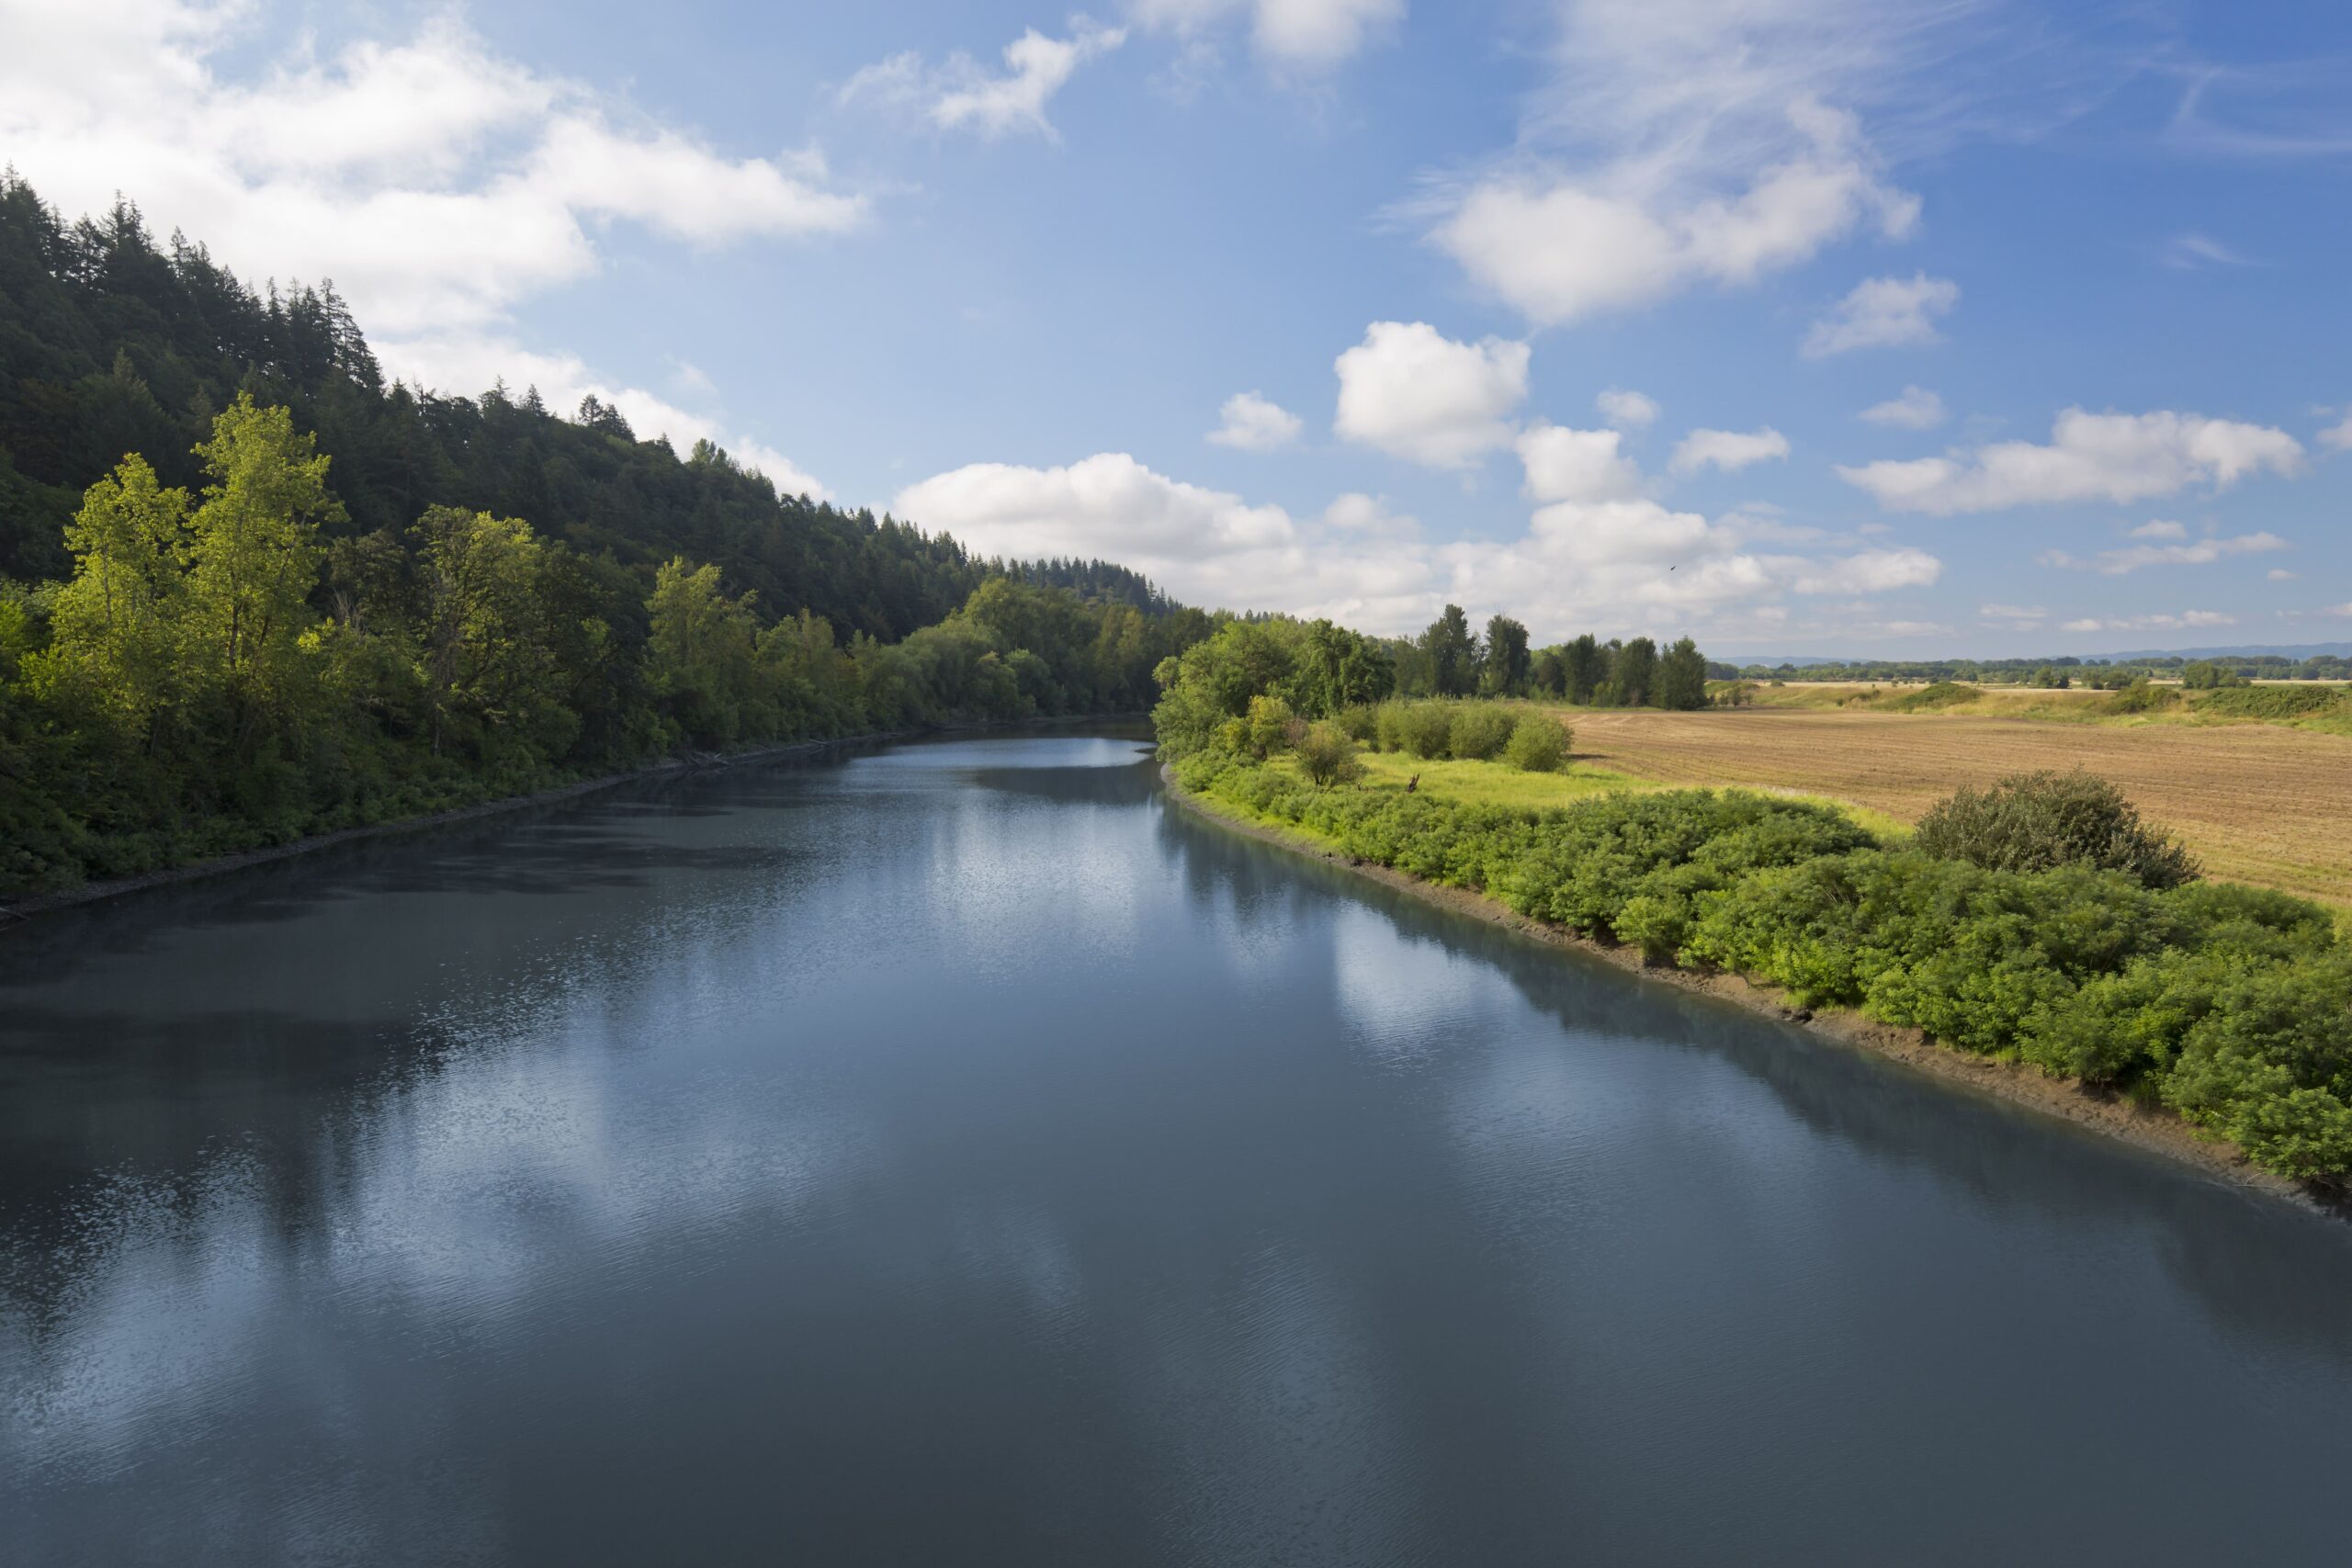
950 1152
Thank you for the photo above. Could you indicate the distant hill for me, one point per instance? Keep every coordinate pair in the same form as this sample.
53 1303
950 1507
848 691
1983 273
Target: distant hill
2266 650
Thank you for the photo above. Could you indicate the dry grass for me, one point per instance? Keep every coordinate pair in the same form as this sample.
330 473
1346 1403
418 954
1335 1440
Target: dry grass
2259 803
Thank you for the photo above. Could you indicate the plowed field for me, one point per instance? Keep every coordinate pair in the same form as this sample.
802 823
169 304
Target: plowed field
2259 803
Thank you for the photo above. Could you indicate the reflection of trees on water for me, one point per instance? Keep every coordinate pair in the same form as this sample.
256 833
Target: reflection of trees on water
2257 1264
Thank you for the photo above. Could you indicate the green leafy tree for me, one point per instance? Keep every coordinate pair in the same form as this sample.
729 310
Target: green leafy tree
2042 820
119 625
1503 671
1633 675
1585 668
252 552
484 631
1683 677
1453 654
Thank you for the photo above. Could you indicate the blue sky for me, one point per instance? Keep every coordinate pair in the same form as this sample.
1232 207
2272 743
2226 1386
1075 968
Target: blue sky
1957 326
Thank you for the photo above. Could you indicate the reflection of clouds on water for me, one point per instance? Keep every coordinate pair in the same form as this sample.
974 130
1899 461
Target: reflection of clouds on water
1401 995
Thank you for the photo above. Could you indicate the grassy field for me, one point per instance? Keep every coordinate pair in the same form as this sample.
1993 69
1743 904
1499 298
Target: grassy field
2267 804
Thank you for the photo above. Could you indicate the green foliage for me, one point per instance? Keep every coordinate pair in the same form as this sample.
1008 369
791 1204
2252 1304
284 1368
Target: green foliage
2230 1005
1928 699
1479 731
2273 701
2205 675
1425 728
1503 668
1326 755
1269 727
2036 821
1539 744
2142 695
1682 678
1452 653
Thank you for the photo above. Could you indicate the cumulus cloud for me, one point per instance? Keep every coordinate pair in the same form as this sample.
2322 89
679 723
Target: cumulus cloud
1292 33
1614 562
435 182
1625 410
2120 458
1884 312
1730 450
2337 437
438 184
1915 409
1255 423
1415 393
2203 552
2021 618
1560 246
964 95
1575 464
2158 529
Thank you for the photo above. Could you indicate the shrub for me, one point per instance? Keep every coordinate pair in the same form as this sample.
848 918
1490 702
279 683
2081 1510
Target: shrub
1326 755
1269 726
1539 744
2141 696
2271 702
1427 729
1942 694
1361 723
2039 821
1480 732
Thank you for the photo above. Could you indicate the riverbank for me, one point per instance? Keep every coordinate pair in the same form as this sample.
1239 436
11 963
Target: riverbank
2154 1131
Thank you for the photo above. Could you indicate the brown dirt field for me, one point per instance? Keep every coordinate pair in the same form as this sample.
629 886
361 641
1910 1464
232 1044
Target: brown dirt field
2259 803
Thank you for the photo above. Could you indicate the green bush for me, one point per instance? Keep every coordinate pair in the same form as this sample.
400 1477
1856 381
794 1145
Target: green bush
1427 729
2142 695
1361 724
1539 744
2271 702
2230 1005
1326 755
2039 821
1479 731
1942 694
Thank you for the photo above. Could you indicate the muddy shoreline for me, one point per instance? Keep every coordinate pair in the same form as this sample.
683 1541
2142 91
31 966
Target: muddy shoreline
2154 1131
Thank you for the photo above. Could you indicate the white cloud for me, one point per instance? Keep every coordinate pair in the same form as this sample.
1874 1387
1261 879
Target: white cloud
1575 464
1560 246
1413 392
2280 574
2158 529
2194 253
964 95
2343 609
2204 552
2012 613
2337 437
2114 456
1310 34
2186 620
437 182
1254 423
1915 409
1730 450
1356 513
1616 565
1884 312
464 365
1626 409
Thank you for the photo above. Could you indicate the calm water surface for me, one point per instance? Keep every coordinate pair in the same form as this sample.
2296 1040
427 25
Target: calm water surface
957 1154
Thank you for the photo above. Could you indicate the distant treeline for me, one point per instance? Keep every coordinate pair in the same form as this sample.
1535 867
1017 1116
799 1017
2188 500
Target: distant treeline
2106 675
1319 669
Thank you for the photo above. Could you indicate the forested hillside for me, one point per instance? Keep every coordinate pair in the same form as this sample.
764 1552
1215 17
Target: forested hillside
111 342
249 592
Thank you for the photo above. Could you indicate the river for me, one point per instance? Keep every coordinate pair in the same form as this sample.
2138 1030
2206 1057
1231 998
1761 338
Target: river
955 1153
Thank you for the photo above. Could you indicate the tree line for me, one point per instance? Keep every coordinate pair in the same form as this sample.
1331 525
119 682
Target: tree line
223 668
